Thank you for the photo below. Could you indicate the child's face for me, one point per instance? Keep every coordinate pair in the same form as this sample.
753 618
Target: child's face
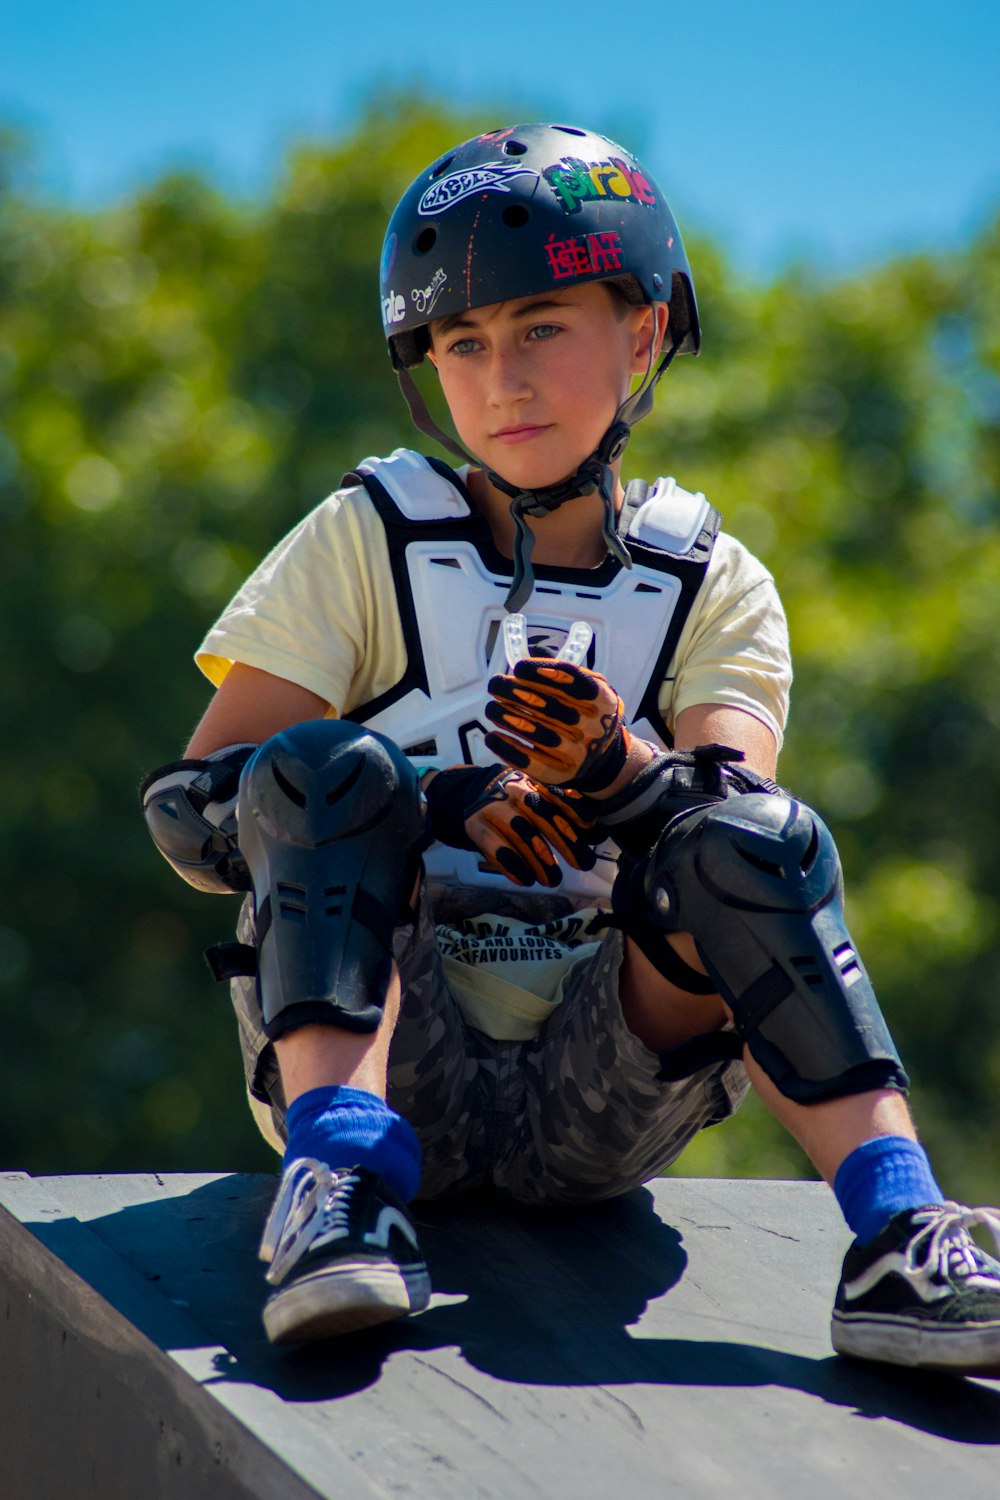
533 384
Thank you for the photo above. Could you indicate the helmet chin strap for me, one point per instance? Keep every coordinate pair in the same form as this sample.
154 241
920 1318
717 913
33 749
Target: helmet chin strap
595 473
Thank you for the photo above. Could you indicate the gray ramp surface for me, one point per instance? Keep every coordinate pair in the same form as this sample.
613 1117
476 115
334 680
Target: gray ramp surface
672 1343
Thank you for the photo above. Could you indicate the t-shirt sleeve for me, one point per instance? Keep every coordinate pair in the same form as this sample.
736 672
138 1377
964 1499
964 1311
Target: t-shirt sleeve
734 649
319 611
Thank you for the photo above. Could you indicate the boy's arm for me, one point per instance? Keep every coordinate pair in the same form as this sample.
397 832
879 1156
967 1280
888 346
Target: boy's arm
564 725
706 724
713 724
516 833
249 707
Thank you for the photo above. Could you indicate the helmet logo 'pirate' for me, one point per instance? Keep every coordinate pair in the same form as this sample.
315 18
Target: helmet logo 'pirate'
574 182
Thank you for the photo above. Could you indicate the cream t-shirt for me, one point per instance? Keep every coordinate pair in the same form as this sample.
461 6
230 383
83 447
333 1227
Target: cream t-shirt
320 611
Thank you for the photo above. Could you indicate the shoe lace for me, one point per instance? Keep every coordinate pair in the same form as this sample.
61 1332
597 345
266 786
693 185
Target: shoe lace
944 1247
312 1199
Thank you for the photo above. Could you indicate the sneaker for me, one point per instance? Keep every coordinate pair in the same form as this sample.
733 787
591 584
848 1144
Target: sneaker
342 1252
923 1294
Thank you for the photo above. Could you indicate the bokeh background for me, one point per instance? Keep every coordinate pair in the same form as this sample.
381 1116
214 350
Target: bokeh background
192 200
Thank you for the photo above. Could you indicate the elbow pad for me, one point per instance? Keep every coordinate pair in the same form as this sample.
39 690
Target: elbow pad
675 783
190 810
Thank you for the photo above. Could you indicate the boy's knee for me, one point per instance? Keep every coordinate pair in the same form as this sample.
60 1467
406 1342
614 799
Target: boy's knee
331 821
329 780
756 879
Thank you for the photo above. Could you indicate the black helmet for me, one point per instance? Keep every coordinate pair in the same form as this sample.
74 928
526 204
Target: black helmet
518 211
513 213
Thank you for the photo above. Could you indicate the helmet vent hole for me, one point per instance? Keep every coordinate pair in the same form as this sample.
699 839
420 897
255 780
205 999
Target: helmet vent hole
425 240
515 216
569 130
514 148
442 166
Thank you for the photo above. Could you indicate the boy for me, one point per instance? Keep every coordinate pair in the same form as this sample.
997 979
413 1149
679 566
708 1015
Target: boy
395 761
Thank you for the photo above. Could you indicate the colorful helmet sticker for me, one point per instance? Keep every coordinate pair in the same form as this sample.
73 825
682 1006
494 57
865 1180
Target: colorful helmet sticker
515 210
585 254
575 182
452 189
388 256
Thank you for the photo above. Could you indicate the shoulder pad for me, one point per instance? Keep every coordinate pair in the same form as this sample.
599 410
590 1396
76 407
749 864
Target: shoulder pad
670 518
417 490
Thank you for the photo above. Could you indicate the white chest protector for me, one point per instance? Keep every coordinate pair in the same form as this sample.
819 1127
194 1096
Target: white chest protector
450 585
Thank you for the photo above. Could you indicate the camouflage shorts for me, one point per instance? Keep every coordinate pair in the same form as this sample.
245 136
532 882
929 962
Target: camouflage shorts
574 1115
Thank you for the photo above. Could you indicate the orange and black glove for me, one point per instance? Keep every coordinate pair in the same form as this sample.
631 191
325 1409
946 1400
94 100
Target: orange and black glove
517 827
563 725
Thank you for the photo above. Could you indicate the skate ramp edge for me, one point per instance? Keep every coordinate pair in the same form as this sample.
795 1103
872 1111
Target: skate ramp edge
673 1343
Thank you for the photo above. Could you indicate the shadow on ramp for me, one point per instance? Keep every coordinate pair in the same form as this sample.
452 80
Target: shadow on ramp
675 1341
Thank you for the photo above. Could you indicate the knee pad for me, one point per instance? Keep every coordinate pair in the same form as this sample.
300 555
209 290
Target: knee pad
756 880
332 826
629 913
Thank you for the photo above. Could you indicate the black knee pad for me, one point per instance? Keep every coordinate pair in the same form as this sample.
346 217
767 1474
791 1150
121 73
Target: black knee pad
756 880
331 825
629 913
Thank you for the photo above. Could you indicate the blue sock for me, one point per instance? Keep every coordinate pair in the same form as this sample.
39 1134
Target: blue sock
352 1128
881 1178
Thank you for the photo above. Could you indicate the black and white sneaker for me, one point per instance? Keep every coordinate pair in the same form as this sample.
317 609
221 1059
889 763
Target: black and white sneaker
342 1254
923 1294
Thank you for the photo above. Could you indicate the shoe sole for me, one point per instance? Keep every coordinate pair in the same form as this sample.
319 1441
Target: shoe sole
344 1299
919 1345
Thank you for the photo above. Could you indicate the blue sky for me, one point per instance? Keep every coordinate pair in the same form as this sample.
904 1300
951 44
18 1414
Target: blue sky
837 132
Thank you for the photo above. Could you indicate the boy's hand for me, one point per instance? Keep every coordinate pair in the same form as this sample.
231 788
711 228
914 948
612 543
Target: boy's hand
564 725
516 826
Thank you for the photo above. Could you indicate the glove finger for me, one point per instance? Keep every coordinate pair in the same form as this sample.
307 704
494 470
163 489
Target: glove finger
512 719
528 841
563 839
543 765
517 848
574 683
507 862
509 751
562 824
489 834
549 802
513 869
580 811
570 845
547 701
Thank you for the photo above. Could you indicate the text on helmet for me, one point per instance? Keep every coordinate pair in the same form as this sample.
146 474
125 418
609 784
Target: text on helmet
584 254
465 184
576 182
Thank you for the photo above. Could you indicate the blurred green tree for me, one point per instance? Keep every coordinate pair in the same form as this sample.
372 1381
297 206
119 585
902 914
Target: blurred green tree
182 377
